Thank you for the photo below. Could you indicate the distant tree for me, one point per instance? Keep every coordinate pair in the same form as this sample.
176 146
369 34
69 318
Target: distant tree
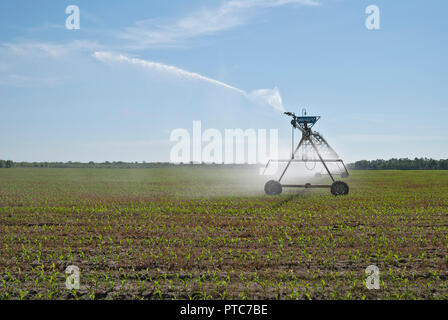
9 164
2 163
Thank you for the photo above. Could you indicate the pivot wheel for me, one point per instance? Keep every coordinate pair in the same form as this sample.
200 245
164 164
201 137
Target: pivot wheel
339 188
273 187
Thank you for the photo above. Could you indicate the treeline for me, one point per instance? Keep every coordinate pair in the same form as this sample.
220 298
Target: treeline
400 164
391 164
110 165
91 164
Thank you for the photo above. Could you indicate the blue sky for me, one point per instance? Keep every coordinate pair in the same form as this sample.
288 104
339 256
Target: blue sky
381 93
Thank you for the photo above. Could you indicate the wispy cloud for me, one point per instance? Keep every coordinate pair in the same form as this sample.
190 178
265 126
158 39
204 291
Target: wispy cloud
16 80
206 21
150 33
51 49
46 27
268 96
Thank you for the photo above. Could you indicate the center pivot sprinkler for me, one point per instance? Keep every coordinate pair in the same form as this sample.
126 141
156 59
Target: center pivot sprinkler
314 149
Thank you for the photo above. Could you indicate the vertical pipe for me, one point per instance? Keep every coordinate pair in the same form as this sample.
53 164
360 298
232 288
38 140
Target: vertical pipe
322 160
292 144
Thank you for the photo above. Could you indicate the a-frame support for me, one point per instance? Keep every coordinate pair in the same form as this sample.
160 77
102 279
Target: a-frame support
304 124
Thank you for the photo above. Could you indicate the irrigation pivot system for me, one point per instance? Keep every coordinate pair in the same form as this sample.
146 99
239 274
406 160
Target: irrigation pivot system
314 149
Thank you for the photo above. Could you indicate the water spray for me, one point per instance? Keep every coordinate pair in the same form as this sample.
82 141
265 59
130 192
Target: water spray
270 97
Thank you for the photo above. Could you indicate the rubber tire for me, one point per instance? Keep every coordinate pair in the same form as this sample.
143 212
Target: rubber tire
339 188
273 187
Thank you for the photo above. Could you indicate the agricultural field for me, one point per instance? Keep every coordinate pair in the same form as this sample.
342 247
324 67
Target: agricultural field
211 233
